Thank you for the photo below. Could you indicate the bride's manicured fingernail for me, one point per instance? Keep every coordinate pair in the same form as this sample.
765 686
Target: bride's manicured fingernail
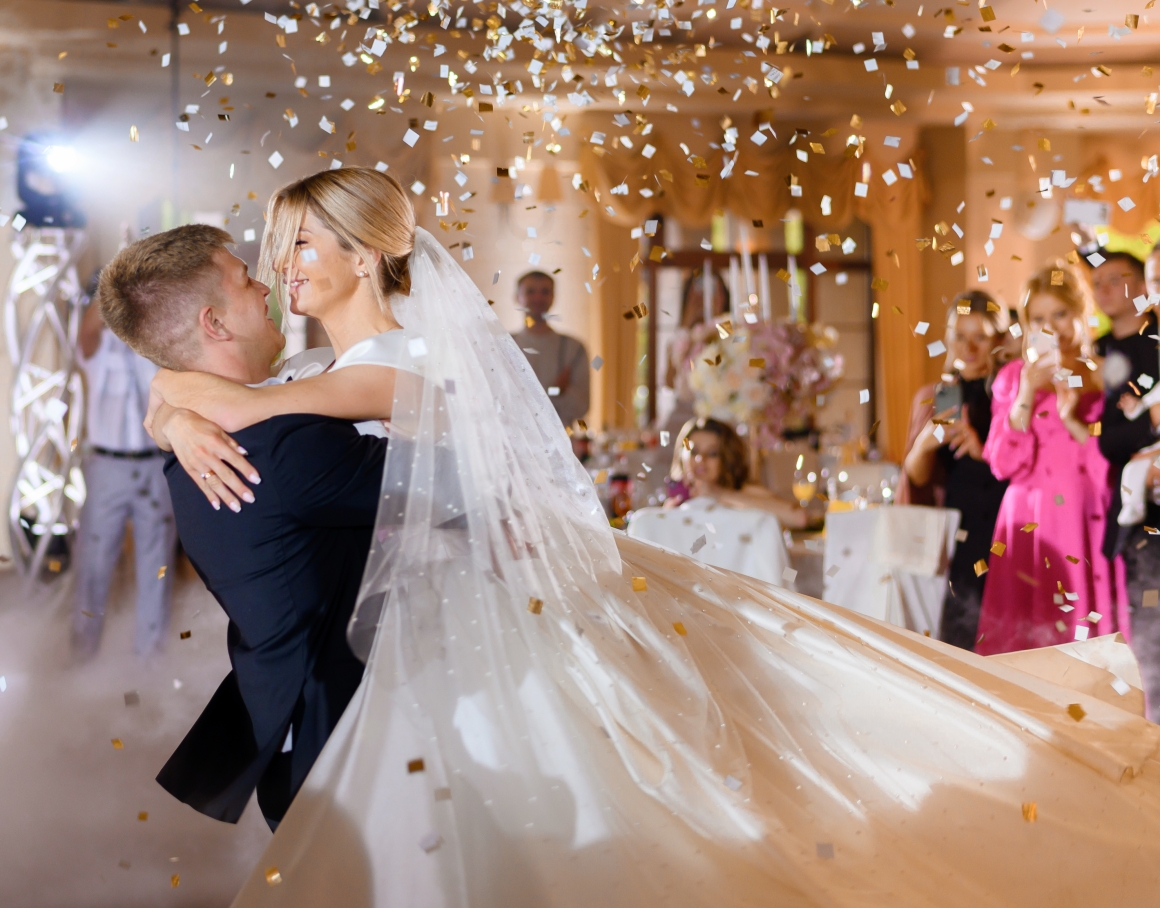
255 479
248 498
235 507
242 450
216 505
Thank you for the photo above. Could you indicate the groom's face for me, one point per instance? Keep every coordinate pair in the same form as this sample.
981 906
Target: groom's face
245 314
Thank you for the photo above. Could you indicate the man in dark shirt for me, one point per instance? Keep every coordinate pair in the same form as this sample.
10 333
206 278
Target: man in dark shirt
286 568
1131 368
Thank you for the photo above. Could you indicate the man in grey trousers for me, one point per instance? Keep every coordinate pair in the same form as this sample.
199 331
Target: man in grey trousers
125 482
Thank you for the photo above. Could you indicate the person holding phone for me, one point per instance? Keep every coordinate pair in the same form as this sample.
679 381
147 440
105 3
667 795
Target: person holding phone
1048 580
944 465
1130 428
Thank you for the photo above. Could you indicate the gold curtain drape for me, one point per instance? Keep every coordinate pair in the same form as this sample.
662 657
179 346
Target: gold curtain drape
892 211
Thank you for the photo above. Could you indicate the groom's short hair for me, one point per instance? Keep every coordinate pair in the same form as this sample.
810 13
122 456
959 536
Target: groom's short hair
151 292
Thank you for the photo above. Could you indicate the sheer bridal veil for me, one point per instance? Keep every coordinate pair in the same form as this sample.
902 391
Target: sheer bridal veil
494 602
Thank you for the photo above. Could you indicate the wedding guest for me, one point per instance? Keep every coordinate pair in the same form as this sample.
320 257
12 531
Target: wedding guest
715 464
559 361
944 464
1131 367
125 484
1049 581
690 330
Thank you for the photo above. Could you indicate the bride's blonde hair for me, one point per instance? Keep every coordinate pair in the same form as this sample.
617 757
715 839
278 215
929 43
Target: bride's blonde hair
364 208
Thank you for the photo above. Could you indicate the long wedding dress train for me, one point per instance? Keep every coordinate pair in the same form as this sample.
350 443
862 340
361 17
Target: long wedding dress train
884 769
558 716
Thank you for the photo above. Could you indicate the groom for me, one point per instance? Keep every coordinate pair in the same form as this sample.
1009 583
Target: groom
286 568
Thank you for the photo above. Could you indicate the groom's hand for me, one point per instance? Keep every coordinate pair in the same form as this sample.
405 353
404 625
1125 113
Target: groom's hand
213 460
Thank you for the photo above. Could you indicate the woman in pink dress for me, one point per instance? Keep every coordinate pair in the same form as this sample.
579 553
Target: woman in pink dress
1050 583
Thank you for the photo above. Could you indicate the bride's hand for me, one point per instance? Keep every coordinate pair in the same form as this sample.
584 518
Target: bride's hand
213 460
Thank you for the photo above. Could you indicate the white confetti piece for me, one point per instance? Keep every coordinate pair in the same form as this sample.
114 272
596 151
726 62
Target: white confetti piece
430 842
789 575
936 348
275 160
864 396
411 137
1119 685
1126 204
417 187
3 684
249 236
732 784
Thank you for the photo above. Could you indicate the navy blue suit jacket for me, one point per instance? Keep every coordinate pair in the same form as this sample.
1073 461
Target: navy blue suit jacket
286 570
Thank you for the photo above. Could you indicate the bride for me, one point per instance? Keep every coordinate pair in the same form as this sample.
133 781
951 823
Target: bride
556 715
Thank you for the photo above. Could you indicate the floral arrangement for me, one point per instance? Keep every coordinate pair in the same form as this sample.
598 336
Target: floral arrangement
766 376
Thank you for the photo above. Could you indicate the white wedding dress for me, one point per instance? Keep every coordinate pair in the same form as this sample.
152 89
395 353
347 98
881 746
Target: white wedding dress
555 715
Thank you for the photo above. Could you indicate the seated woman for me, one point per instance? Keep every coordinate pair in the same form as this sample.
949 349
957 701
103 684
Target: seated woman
713 464
944 464
1049 582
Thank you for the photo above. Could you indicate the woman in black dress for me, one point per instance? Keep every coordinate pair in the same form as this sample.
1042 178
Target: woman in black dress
944 463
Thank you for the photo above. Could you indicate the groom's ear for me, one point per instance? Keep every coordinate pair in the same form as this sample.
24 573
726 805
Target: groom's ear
211 324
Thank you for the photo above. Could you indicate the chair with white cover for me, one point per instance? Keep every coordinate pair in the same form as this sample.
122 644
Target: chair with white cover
891 563
747 541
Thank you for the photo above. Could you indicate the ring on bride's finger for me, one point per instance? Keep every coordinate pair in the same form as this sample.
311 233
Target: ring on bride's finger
205 476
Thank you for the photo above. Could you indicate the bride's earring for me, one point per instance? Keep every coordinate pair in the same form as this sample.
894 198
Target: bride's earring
362 274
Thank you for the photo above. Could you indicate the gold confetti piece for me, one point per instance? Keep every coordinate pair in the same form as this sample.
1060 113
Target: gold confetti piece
143 816
657 253
639 585
210 79
1030 812
1057 279
757 362
899 108
273 877
1076 711
1151 598
1095 429
118 744
1045 145
416 765
998 548
195 7
133 136
988 124
980 568
58 87
161 571
535 606
680 629
175 880
1072 559
55 565
1026 578
601 477
987 13
185 635
879 283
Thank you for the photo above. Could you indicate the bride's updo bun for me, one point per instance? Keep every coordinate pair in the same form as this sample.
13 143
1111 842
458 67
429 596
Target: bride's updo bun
365 209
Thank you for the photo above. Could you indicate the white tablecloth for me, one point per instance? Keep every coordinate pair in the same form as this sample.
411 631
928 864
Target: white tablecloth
890 563
746 541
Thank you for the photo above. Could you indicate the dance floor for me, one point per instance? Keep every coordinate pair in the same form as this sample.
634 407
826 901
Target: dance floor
82 823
